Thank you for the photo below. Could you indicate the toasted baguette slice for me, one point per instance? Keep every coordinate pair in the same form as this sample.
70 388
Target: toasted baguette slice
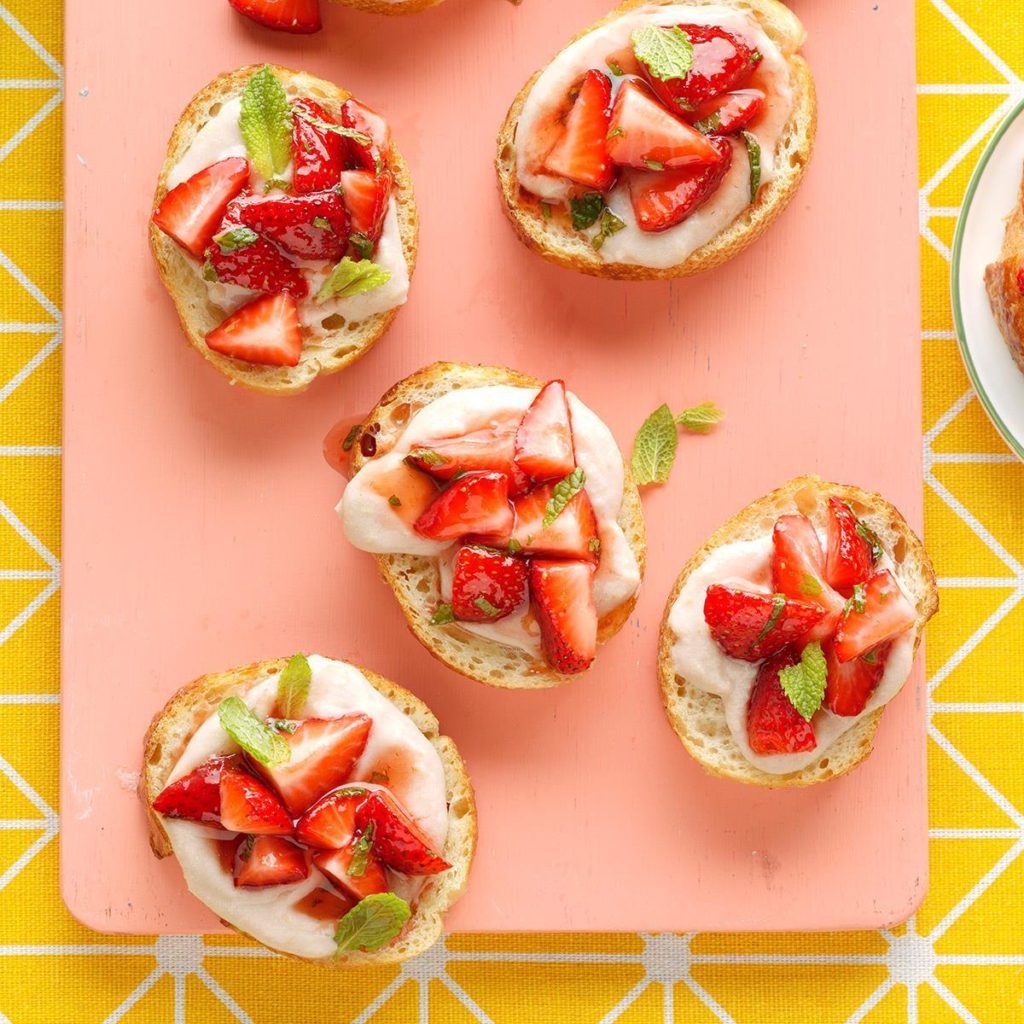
416 580
1004 294
171 730
554 239
698 717
321 354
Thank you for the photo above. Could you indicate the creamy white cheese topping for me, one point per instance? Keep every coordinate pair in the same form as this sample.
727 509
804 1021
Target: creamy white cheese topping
631 245
269 914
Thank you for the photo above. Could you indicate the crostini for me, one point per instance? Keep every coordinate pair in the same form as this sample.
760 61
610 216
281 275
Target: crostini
284 227
503 517
313 806
663 140
789 631
1004 282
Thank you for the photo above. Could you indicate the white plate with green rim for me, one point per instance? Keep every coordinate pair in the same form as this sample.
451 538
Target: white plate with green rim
993 189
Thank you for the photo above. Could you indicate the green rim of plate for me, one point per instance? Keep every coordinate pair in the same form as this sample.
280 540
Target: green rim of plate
954 283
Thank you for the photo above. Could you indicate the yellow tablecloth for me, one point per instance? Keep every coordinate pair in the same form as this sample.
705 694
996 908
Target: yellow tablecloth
961 958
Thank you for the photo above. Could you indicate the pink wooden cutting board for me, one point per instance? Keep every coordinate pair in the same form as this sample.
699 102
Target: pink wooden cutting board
199 531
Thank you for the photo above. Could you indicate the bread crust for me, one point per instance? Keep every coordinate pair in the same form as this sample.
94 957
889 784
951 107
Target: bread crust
690 710
416 581
320 354
381 7
1004 295
558 246
173 727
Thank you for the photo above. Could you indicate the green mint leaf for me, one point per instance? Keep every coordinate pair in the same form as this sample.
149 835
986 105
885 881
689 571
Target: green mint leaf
654 165
394 500
804 684
709 124
372 923
252 734
701 418
351 437
545 211
514 547
338 129
427 456
585 210
593 545
615 69
293 686
277 183
611 222
871 538
245 850
654 448
362 245
754 155
283 725
235 238
859 599
323 224
361 853
810 585
615 133
565 490
266 123
210 271
352 277
778 603
443 615
667 51
486 607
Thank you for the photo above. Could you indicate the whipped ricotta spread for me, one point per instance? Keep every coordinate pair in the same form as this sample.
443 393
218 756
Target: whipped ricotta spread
631 245
372 524
702 663
220 138
269 914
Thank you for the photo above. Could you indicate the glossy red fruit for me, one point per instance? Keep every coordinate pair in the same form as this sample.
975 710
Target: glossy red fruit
572 533
397 840
752 626
774 726
487 585
878 611
366 198
195 796
849 559
449 457
337 865
726 114
246 805
312 227
475 503
265 331
798 570
296 16
581 154
563 601
372 156
325 905
851 683
318 156
543 442
330 823
258 265
270 860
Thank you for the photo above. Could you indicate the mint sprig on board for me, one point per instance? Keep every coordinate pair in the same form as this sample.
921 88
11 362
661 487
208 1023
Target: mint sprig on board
654 448
265 123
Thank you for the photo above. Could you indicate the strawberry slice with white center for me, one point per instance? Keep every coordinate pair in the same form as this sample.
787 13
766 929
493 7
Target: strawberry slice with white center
572 533
270 860
330 823
246 805
360 879
798 570
265 331
543 442
312 227
192 211
850 558
195 796
318 156
726 114
372 156
643 134
483 450
752 626
851 683
397 840
774 726
323 754
487 585
474 503
366 198
581 154
300 17
563 601
878 611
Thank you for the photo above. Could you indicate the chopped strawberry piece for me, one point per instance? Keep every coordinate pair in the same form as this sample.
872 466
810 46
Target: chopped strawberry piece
246 805
325 905
581 154
543 445
487 585
374 155
849 559
572 534
192 211
318 156
296 16
397 840
331 822
774 726
480 450
726 114
475 503
258 265
195 796
1020 280
877 612
563 601
851 683
337 865
752 626
312 227
270 860
644 134
798 570
265 331
366 197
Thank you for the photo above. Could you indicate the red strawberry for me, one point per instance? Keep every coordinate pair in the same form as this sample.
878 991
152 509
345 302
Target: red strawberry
665 198
325 905
873 615
265 331
318 156
298 16
270 860
312 227
336 865
323 753
774 726
475 503
850 684
246 805
563 601
753 626
543 446
192 211
798 570
195 796
366 197
487 585
372 157
849 559
572 534
581 154
644 134
259 265
729 113
397 840
331 822
480 450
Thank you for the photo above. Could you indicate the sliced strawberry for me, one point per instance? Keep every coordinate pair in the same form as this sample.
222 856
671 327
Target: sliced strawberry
312 227
192 211
270 860
246 805
297 16
726 114
774 726
337 865
644 134
563 601
878 611
487 585
195 796
480 450
849 558
325 905
572 534
323 754
543 444
330 823
798 570
360 118
475 503
258 265
665 198
366 197
265 331
318 156
753 626
850 684
397 840
581 154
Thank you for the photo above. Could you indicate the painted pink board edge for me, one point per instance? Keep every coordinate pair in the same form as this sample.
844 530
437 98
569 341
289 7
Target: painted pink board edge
198 529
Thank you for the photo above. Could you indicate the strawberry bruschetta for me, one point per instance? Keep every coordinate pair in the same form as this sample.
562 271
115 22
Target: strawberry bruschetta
790 630
313 806
283 226
663 140
503 517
